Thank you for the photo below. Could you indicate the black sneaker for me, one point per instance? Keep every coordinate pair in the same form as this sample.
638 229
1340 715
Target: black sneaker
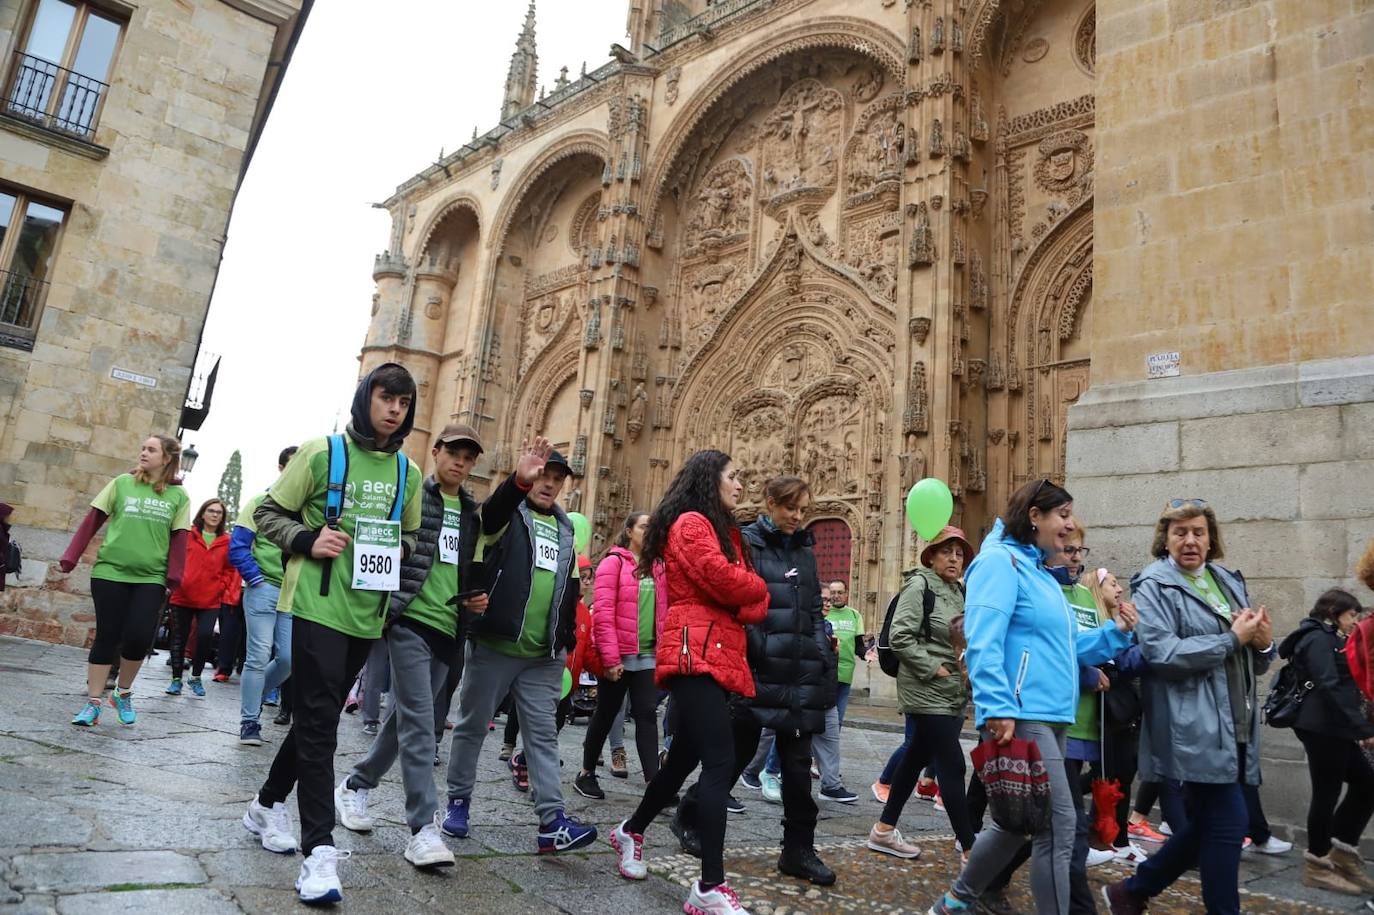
686 836
283 718
840 794
733 805
587 786
371 728
750 780
436 757
804 863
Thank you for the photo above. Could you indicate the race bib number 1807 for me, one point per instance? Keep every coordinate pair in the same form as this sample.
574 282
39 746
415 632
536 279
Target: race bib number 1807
377 555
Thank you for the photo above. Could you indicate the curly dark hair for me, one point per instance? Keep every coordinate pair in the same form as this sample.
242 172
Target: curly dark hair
696 488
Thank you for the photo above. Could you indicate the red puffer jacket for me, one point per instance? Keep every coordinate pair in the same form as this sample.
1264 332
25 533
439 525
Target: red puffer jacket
207 577
710 601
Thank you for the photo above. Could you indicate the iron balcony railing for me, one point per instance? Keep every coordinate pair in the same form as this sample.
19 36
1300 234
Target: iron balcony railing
716 13
20 298
53 96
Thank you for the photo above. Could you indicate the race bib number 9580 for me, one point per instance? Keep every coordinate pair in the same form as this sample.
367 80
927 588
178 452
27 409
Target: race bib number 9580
377 555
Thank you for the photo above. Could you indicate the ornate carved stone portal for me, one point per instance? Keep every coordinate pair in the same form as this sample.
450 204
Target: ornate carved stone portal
684 250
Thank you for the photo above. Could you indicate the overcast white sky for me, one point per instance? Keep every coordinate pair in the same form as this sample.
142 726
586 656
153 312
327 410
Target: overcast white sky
374 91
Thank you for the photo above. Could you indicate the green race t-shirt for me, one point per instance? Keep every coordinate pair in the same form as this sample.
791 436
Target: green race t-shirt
431 606
141 521
534 631
266 554
847 625
647 606
369 490
209 537
1086 614
1211 592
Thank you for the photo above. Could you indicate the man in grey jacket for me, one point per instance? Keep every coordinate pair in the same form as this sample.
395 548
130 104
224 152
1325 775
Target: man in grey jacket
1206 649
423 638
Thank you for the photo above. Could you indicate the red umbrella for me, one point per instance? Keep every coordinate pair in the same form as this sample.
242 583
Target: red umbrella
1106 792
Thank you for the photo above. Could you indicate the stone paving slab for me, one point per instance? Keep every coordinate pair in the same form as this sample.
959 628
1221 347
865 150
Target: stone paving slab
65 872
155 810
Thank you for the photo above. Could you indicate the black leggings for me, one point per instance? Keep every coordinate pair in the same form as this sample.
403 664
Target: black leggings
610 696
1333 762
205 638
704 734
934 738
125 619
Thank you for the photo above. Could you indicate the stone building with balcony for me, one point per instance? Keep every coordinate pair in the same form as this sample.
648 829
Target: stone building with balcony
1124 243
125 130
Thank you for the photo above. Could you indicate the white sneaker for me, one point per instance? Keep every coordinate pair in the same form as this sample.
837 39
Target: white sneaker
719 900
1098 856
272 825
1130 854
1273 846
631 849
319 878
427 849
351 806
1165 829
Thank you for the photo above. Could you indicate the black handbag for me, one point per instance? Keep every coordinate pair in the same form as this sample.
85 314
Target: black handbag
1287 691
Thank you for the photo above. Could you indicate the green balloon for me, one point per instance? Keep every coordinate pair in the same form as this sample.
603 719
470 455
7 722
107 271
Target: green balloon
929 506
582 532
567 684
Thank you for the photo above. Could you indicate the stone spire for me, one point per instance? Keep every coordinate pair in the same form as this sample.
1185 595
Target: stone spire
520 80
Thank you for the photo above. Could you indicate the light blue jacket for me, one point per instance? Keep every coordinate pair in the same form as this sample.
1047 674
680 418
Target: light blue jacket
1024 647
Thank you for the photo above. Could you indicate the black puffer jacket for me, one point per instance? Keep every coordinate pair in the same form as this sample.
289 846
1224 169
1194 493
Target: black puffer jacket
415 567
1333 707
794 666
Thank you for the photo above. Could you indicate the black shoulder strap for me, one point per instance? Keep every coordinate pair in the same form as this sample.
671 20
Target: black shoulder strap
927 608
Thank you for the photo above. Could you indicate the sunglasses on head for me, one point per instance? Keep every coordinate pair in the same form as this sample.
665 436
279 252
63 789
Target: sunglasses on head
1190 503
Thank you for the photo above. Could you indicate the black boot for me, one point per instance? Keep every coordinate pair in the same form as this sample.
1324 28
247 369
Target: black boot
686 836
803 863
283 718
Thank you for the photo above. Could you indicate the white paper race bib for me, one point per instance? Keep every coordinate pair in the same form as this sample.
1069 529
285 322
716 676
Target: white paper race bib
545 545
448 537
377 555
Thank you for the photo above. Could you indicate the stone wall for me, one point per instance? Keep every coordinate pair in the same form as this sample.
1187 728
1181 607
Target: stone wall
149 200
1246 245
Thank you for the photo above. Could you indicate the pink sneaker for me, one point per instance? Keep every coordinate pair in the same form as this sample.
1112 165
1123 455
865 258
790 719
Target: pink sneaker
631 848
718 900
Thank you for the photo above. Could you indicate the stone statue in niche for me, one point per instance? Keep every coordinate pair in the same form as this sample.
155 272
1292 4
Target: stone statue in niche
873 535
913 48
634 423
937 139
722 208
575 499
913 147
921 252
937 36
995 379
496 174
916 418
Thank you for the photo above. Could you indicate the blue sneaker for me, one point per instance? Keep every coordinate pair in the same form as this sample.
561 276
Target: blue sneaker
174 688
250 733
456 819
273 697
949 904
197 688
89 716
124 705
563 833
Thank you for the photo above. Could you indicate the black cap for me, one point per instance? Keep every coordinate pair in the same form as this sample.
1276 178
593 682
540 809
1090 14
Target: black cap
557 460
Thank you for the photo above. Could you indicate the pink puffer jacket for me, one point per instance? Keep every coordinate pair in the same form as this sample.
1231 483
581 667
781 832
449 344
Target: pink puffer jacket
615 617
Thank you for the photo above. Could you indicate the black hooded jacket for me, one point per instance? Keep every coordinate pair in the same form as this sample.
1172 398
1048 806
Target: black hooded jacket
1333 707
794 665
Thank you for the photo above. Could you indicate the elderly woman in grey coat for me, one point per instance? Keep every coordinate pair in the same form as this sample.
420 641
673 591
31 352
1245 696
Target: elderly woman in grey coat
1206 649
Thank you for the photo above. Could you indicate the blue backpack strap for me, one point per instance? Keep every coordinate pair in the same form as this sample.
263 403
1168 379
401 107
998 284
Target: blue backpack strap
333 498
402 466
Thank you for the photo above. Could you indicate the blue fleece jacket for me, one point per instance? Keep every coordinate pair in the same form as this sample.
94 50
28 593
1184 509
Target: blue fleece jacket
1024 647
241 555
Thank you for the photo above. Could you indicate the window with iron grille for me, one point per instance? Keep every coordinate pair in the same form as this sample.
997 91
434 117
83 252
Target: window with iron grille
30 229
60 72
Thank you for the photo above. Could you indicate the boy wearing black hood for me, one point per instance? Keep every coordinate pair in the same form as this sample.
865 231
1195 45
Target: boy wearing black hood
337 592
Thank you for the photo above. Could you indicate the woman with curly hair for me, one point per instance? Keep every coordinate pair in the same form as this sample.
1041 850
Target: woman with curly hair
713 593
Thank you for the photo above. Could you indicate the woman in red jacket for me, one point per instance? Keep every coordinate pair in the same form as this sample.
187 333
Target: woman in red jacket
202 590
713 593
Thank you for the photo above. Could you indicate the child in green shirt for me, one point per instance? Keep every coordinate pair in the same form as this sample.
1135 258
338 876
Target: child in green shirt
336 585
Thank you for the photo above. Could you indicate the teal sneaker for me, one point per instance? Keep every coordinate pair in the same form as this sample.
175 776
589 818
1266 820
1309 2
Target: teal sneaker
197 688
89 716
174 688
124 705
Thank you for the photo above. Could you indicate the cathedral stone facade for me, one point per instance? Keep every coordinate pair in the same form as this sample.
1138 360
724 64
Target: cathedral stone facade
869 241
851 241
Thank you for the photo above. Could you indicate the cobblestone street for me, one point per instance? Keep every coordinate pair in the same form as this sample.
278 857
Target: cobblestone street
147 819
